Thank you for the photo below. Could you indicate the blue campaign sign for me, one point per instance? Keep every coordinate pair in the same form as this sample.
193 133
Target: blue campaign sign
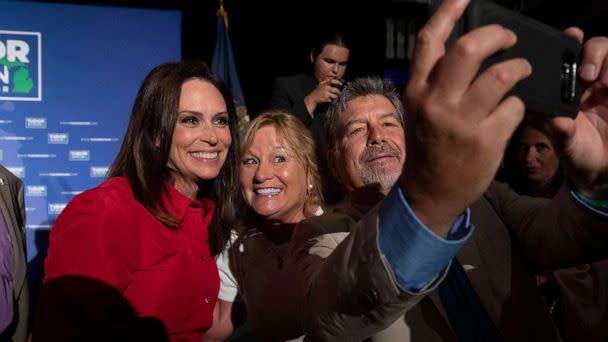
68 78
20 65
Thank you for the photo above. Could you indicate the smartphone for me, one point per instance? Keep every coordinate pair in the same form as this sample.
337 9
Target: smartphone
553 88
342 84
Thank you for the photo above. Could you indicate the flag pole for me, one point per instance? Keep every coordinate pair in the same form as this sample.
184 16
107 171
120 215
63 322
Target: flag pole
222 12
224 66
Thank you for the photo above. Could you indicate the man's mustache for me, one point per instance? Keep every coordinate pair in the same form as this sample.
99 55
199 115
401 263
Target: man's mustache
375 151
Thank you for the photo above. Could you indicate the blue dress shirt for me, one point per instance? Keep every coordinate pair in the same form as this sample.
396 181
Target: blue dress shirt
416 254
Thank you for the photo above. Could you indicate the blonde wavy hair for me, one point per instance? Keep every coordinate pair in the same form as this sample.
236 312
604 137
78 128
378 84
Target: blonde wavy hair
299 141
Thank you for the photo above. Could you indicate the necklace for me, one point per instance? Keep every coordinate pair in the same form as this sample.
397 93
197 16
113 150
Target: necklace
277 252
277 236
280 262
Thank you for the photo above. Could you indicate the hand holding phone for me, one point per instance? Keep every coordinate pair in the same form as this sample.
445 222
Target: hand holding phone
553 88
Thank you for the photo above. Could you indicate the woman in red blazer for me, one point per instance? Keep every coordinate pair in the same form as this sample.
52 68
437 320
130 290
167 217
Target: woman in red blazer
133 258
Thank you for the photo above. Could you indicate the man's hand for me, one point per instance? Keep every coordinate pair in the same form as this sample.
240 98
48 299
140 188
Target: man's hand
457 124
326 91
584 140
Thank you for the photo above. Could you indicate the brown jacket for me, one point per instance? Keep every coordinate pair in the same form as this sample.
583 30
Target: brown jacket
273 309
13 208
352 294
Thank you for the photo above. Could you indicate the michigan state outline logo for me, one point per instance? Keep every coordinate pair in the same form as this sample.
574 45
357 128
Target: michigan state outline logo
20 66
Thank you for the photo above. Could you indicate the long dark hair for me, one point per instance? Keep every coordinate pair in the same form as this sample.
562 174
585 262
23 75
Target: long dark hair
145 149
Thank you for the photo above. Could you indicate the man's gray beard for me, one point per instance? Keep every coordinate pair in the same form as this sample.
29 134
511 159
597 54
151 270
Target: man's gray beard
382 175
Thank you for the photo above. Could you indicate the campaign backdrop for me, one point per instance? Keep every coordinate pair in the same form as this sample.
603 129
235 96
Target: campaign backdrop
68 78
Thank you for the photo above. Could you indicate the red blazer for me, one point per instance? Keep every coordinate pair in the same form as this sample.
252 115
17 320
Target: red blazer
104 234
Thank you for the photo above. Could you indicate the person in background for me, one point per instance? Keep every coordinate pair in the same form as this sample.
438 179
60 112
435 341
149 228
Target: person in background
145 238
307 95
14 303
532 165
577 297
280 186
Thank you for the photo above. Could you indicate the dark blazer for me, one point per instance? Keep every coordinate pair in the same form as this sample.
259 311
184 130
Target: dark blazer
12 205
352 294
288 93
582 308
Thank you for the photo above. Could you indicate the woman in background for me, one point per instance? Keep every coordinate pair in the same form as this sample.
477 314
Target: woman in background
535 167
132 259
578 296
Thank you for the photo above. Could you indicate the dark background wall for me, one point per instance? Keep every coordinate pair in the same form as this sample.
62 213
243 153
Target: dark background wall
271 37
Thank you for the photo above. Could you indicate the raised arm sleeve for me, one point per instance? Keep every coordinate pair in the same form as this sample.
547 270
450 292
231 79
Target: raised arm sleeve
351 288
